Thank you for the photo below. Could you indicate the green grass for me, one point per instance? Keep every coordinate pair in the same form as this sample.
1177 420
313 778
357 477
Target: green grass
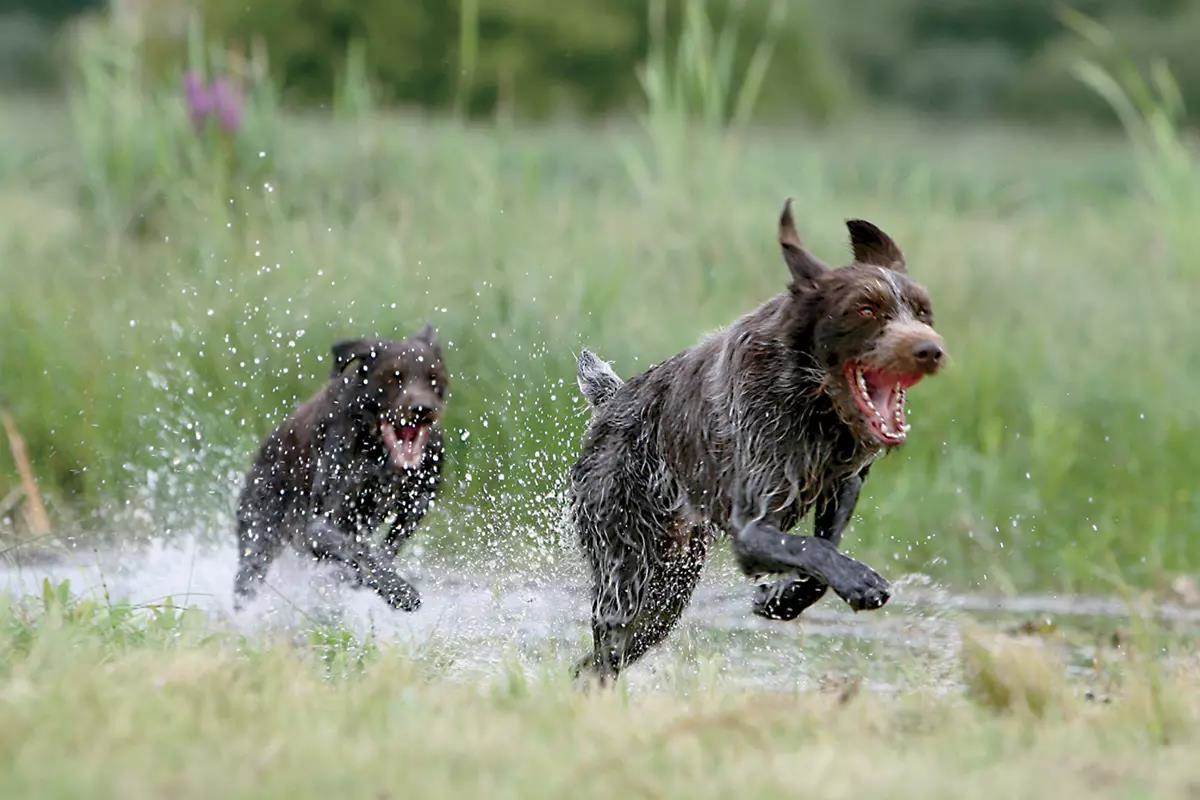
146 346
113 701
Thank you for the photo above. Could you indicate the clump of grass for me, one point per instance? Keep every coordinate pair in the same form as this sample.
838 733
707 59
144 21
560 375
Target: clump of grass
354 96
342 654
1012 674
697 93
51 625
699 83
1148 102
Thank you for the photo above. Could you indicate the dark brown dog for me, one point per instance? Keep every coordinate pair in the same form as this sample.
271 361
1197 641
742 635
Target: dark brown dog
366 450
780 413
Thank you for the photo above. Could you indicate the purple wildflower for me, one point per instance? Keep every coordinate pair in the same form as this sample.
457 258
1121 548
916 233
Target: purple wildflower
200 99
228 103
221 99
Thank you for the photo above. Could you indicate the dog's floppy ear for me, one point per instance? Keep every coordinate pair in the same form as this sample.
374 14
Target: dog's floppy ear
804 266
344 353
428 335
873 246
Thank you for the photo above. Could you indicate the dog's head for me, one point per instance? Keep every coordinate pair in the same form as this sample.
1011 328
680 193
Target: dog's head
871 328
398 388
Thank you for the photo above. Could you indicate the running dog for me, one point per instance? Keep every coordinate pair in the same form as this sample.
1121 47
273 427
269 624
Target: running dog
781 413
366 450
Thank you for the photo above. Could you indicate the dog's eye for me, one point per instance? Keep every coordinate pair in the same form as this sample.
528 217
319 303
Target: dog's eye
867 312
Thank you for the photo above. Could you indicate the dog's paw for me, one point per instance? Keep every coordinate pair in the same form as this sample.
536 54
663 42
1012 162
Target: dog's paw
399 594
407 599
245 590
786 598
862 588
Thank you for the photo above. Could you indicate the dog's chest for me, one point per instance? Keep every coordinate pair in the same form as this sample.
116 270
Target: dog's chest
808 469
379 493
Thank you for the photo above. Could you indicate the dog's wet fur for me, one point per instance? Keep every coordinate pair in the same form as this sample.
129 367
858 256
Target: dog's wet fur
781 413
365 451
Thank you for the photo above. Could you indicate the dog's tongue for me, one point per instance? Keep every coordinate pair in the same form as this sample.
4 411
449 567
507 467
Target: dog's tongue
882 387
882 395
405 445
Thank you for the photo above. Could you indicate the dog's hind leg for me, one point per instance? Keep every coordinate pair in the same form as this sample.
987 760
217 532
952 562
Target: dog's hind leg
619 593
640 601
668 593
257 548
262 531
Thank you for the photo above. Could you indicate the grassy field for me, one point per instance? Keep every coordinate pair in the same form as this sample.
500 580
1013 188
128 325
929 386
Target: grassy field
169 296
112 701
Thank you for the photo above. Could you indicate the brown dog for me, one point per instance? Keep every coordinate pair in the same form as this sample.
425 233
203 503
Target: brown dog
780 413
367 449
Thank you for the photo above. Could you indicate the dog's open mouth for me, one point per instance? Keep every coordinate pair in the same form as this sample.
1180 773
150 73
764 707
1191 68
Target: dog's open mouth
405 443
879 395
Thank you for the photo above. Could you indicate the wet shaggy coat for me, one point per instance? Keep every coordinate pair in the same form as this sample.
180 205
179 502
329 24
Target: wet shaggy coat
743 434
331 475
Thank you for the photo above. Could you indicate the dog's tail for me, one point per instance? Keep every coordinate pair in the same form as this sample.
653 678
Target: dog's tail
596 379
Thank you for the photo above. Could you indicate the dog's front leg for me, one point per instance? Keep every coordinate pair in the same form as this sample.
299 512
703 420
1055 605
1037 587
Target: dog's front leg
786 598
399 532
405 524
835 509
328 541
760 546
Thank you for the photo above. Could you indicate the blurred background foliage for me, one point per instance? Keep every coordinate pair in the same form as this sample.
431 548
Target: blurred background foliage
1002 58
219 189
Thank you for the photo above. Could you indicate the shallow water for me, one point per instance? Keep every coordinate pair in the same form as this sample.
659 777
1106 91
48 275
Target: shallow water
483 620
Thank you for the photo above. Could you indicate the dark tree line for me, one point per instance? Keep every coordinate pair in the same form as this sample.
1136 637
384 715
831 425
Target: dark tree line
535 58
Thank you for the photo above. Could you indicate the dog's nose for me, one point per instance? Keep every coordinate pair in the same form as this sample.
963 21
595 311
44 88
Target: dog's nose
929 354
422 412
